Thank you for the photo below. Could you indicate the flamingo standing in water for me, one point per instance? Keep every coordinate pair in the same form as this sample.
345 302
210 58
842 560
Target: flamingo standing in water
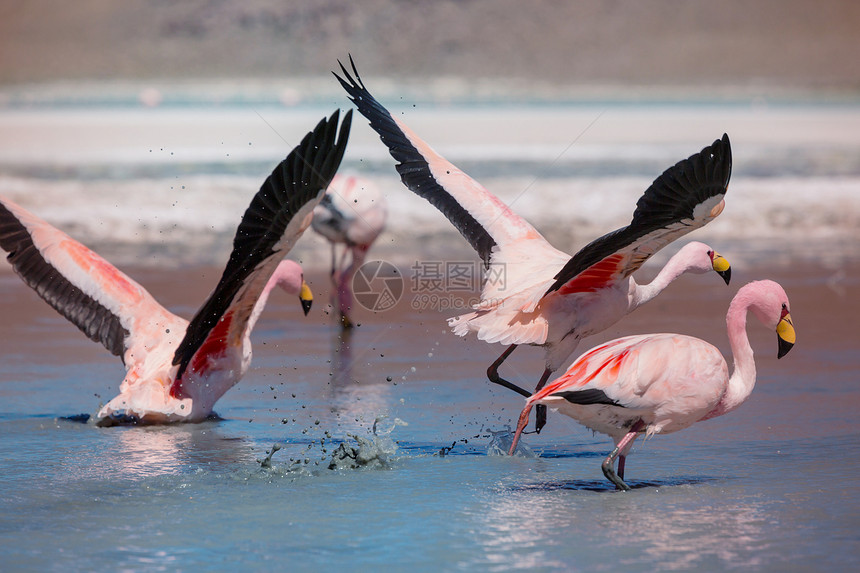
662 383
547 297
177 370
352 213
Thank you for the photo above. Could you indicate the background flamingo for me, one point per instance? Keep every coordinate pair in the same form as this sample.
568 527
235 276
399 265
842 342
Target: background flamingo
351 213
547 297
177 370
662 383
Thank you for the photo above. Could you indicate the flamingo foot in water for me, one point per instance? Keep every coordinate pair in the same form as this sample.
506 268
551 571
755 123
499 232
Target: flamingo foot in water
608 464
540 409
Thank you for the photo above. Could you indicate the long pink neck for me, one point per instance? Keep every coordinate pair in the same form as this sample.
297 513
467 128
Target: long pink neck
742 380
675 267
260 304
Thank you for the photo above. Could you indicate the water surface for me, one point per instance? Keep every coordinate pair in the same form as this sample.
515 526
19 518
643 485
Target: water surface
772 487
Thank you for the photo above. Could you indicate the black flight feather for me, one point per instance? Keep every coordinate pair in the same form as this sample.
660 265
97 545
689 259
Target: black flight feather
670 199
301 177
90 316
413 168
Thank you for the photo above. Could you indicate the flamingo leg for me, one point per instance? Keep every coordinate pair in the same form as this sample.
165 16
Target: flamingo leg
333 275
338 268
609 462
337 280
346 251
493 373
521 424
540 410
344 290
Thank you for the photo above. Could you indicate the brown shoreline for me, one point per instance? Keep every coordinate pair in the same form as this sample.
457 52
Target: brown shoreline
822 300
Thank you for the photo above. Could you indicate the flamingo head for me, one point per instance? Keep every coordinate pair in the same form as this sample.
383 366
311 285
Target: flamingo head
306 297
785 332
290 278
700 258
770 305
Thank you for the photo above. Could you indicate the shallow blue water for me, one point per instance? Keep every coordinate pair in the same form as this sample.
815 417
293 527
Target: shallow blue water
774 486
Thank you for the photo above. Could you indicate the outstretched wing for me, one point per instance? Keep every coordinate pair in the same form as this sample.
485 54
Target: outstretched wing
278 215
483 220
685 197
95 296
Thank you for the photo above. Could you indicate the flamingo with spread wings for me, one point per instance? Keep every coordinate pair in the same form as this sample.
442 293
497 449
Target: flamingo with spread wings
662 383
352 213
175 369
547 297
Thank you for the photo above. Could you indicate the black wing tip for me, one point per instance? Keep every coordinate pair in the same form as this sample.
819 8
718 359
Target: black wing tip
411 164
329 123
719 150
335 117
722 142
316 159
710 169
351 82
728 155
322 148
345 126
720 154
725 146
300 178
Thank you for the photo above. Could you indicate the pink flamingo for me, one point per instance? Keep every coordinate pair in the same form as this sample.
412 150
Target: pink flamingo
175 369
547 297
352 213
662 383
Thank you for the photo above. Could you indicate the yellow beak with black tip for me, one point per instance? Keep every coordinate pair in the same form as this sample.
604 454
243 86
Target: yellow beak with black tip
786 335
721 266
306 297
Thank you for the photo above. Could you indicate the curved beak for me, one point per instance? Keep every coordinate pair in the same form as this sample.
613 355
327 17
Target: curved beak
306 297
786 335
721 266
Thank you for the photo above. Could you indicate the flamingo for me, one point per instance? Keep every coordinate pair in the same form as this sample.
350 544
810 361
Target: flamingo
175 369
662 383
547 297
352 212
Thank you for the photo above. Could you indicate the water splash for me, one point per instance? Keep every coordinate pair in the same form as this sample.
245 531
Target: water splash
500 445
371 453
374 453
267 462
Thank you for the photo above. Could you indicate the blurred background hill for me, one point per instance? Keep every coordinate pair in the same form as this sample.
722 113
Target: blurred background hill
753 45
